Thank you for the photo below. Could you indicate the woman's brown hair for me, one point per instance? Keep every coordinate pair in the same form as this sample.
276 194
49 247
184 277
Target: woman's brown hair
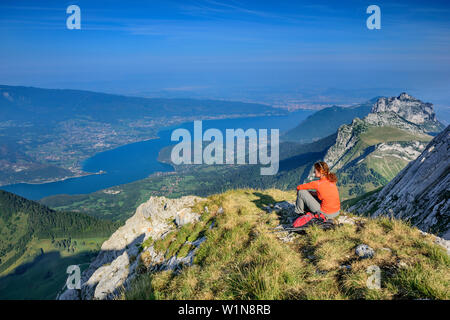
322 167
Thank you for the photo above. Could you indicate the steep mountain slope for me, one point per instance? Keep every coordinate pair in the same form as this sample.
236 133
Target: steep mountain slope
420 192
24 223
369 152
222 247
326 121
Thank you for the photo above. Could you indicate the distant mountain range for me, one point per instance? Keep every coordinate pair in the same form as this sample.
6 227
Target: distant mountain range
408 109
326 121
48 105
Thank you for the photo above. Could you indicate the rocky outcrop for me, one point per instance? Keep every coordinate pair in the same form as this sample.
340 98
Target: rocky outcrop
406 151
347 137
420 192
411 109
390 119
117 263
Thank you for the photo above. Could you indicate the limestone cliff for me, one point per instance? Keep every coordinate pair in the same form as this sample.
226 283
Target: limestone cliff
420 192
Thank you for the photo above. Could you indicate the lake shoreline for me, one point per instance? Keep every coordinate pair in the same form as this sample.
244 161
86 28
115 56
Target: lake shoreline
79 172
139 160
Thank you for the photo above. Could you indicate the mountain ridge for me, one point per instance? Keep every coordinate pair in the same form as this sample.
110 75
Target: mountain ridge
326 121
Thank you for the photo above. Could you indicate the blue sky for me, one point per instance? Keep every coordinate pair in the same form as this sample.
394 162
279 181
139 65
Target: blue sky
227 46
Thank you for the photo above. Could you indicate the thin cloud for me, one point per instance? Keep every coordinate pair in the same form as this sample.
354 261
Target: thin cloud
23 8
210 8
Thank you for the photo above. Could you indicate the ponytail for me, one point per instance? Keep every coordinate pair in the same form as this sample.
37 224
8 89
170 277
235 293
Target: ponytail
322 167
332 177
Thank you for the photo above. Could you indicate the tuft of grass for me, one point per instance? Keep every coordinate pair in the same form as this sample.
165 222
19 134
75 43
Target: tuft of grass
142 289
176 241
147 243
421 282
162 244
184 250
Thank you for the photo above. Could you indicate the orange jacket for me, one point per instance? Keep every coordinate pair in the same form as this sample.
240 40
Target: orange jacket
327 192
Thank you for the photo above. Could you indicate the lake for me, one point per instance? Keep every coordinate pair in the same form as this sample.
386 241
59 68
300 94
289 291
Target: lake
138 160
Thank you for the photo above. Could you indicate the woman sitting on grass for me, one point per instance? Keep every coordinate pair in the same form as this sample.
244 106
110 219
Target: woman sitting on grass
324 200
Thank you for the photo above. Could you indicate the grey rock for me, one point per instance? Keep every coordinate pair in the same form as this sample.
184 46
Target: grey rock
439 241
199 241
364 251
346 220
116 265
69 294
286 237
286 206
346 267
286 211
186 216
321 272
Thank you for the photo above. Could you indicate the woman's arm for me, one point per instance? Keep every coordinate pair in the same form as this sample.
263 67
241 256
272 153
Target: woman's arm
310 185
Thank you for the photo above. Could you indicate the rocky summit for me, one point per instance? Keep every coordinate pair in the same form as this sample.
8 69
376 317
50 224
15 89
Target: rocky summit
410 109
420 192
